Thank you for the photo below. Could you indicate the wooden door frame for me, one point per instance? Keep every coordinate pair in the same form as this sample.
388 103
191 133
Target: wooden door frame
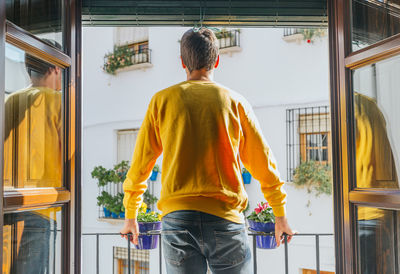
346 194
69 196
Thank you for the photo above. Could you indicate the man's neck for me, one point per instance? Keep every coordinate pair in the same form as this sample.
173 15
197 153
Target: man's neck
200 75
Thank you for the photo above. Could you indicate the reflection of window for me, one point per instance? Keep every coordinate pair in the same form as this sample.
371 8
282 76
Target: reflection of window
126 140
140 261
307 136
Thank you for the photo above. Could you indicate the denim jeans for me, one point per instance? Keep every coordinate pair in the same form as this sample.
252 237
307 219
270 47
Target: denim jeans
192 239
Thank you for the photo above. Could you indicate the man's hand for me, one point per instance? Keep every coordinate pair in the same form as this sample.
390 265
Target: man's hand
130 226
282 226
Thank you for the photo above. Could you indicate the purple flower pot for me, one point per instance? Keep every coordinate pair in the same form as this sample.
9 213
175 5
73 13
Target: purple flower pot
148 241
153 176
264 242
107 213
246 178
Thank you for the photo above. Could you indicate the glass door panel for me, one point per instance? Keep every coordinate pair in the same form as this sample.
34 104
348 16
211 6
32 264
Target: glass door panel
373 21
43 18
377 238
377 124
32 242
33 122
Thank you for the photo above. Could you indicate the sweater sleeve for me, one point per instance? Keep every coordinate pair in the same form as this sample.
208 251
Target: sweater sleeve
147 149
258 159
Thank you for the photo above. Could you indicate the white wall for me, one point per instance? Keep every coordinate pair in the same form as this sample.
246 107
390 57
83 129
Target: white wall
272 74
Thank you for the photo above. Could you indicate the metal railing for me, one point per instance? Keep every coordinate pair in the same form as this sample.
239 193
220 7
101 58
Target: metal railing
253 234
228 38
291 31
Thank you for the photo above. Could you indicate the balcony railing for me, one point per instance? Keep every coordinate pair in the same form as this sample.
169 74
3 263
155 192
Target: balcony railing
291 31
228 39
125 58
317 237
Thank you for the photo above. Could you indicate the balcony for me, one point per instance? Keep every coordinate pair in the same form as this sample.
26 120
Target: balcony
228 41
152 261
127 59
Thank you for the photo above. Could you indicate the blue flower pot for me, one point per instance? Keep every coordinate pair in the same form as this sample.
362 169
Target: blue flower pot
264 242
122 215
113 215
246 178
107 213
153 176
148 241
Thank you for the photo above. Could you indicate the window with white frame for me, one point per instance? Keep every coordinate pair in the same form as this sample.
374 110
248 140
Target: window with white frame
126 140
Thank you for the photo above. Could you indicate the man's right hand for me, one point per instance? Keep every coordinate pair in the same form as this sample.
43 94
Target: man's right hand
130 226
282 226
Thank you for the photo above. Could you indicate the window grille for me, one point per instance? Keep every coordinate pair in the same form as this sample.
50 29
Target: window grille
307 136
140 261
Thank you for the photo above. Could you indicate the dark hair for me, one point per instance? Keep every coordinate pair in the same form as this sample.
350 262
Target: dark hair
199 49
36 67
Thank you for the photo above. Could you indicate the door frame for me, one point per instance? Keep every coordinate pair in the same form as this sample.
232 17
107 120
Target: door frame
69 196
346 194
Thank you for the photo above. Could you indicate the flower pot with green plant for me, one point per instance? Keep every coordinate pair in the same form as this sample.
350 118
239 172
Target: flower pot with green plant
154 174
262 219
148 222
246 176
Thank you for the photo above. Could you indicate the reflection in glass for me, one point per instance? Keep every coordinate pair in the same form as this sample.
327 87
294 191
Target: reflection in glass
376 230
33 122
32 242
373 21
40 17
377 124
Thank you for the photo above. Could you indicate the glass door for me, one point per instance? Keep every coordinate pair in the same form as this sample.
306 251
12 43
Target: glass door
365 59
39 93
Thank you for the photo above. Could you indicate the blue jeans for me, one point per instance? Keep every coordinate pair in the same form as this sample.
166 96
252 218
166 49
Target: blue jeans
191 239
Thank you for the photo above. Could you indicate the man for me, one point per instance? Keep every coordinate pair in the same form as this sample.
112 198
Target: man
32 159
204 130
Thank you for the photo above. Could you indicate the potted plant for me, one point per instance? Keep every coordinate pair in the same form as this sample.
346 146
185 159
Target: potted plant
148 222
246 176
154 174
262 219
105 200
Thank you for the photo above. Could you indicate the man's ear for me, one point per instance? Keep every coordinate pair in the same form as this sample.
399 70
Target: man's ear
217 62
183 64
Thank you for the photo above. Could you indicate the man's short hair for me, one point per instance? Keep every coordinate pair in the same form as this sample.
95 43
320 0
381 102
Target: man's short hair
199 49
36 67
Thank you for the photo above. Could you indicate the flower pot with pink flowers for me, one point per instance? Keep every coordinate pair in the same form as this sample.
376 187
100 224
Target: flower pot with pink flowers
262 219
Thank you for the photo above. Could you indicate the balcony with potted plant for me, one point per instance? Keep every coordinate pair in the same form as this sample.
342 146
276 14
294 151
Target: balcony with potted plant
229 41
126 58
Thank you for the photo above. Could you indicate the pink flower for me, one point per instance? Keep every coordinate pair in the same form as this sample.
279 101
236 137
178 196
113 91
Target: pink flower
257 210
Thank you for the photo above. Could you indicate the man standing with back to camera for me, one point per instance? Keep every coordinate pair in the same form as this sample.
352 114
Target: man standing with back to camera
203 130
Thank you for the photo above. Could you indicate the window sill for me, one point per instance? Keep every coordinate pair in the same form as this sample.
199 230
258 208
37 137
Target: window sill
297 38
111 220
230 50
142 66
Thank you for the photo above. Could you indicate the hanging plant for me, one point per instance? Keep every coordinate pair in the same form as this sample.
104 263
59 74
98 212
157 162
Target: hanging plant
310 35
121 57
314 176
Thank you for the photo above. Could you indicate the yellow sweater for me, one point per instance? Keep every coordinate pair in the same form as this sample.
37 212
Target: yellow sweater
203 131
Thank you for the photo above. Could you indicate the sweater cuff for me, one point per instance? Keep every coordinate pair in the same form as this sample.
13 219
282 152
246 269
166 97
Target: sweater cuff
279 211
129 214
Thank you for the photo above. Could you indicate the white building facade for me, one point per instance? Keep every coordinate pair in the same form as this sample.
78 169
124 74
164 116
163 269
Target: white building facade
283 80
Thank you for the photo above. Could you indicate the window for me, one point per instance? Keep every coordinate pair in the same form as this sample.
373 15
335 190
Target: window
140 261
126 140
307 136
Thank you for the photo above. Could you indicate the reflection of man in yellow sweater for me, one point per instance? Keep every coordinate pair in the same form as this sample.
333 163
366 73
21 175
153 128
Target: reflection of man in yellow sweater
375 169
33 158
202 129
